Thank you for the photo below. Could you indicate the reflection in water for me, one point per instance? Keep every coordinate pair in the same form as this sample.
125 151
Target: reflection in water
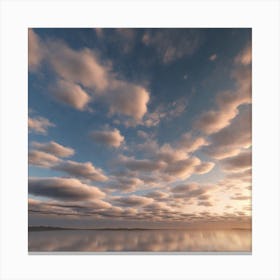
141 240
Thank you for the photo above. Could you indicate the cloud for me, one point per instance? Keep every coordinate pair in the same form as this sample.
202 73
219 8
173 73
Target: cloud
245 56
65 189
148 147
112 138
230 140
240 197
166 162
238 163
157 208
145 165
48 155
164 112
213 57
78 67
36 50
142 134
133 200
190 190
39 125
171 45
126 33
205 203
81 70
125 38
127 99
80 207
70 94
243 176
125 184
157 195
204 167
188 143
228 103
169 154
212 121
42 159
81 170
193 192
183 168
54 149
67 208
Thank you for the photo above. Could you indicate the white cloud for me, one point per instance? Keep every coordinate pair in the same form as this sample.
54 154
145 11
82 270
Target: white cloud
39 125
42 159
144 165
188 143
125 184
81 70
111 138
204 167
166 162
191 190
228 103
127 99
79 67
70 94
230 140
83 170
183 169
239 162
36 50
54 149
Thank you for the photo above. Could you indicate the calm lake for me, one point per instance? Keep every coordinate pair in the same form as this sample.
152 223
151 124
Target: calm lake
140 241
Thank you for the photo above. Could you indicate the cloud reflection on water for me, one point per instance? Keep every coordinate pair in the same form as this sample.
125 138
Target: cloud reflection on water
140 240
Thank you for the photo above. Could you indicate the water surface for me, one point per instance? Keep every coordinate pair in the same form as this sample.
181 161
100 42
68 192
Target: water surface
140 241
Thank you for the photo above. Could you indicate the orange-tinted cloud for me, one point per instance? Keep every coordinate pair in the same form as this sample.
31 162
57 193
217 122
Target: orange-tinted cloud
83 170
39 125
54 148
107 137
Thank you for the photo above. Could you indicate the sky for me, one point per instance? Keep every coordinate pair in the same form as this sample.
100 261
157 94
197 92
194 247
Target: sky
145 128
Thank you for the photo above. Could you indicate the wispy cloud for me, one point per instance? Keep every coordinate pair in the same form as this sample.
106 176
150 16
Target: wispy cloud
213 57
239 162
170 45
230 140
39 125
228 103
42 159
54 148
84 170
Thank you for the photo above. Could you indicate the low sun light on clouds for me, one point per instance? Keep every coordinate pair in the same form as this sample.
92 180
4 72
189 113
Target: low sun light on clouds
139 128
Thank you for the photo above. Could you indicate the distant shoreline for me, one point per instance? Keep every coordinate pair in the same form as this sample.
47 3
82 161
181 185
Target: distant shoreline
49 228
